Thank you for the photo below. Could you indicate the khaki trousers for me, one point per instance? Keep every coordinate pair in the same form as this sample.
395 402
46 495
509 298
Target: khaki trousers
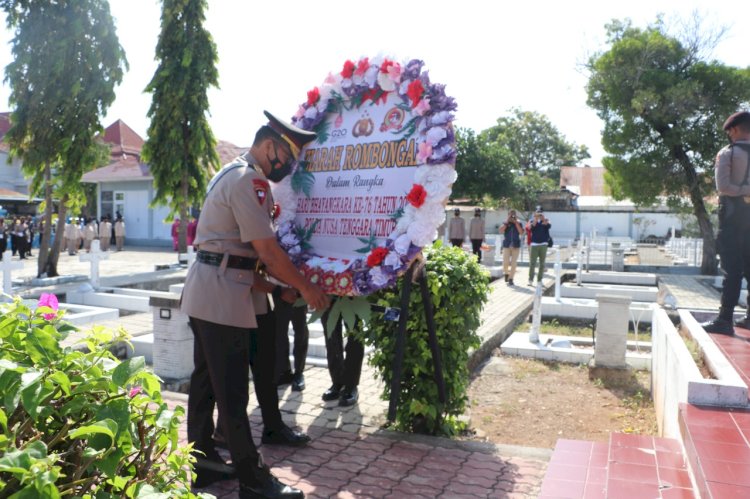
510 259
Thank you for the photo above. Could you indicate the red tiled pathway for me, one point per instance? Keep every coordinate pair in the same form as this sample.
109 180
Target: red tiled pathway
629 466
380 464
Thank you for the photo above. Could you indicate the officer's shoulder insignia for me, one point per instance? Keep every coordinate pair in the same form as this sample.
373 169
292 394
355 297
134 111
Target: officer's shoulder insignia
261 189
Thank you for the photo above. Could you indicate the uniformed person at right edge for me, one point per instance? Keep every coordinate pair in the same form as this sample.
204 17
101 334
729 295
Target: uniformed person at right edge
234 233
733 239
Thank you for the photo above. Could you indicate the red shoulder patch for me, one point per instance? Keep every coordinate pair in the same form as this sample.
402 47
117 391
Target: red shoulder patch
261 188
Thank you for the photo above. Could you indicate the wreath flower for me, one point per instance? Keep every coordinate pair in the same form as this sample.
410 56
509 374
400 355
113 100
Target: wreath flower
417 195
376 256
313 96
368 81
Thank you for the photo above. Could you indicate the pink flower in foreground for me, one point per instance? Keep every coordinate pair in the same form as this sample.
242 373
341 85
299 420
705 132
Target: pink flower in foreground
135 391
48 300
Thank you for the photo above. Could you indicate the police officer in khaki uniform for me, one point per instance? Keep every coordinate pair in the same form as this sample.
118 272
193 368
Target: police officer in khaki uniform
234 234
733 239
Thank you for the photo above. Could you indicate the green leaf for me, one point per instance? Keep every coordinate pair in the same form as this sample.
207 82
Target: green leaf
62 381
348 313
105 427
315 316
333 317
322 130
3 420
361 307
127 369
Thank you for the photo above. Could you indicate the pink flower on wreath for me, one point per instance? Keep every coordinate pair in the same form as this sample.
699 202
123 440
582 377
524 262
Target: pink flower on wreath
392 69
330 79
415 92
362 66
313 96
339 121
423 106
424 152
417 195
49 300
348 70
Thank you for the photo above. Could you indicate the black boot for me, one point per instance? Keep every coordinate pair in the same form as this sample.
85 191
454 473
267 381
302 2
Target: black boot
211 468
262 484
721 325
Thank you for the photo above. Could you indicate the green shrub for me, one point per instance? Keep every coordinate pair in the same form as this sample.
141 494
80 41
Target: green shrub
81 424
459 288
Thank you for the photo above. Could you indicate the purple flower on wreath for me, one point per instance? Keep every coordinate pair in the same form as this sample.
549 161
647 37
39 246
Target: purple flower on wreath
412 70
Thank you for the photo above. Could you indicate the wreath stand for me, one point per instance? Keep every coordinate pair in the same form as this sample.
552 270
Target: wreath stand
416 273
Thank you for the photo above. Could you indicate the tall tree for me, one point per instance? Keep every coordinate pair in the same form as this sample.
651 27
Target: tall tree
484 169
536 143
181 149
67 61
663 102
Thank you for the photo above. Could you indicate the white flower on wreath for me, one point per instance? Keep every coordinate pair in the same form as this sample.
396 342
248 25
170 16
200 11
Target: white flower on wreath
379 278
286 198
386 83
393 260
402 244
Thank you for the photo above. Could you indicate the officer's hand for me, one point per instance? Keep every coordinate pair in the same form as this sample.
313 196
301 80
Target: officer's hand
289 295
315 297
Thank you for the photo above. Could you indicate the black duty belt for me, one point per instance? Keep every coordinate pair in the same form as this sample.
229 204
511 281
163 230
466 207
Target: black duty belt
233 261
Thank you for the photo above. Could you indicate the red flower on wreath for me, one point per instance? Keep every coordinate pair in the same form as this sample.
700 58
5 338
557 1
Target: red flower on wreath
385 66
362 66
376 257
417 195
276 211
415 92
348 70
313 96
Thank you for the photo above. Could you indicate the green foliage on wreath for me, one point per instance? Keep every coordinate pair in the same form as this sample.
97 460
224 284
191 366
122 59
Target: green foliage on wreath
82 424
459 289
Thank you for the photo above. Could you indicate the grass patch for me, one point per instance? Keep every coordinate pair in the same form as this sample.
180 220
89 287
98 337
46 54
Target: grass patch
583 328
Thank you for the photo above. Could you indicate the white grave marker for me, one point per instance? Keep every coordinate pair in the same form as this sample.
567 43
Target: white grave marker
536 314
94 257
558 272
7 266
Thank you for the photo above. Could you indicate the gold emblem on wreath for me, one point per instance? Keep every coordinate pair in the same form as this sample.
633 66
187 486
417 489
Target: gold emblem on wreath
364 127
393 120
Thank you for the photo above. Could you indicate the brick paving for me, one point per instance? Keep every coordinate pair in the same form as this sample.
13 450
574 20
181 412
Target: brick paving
350 456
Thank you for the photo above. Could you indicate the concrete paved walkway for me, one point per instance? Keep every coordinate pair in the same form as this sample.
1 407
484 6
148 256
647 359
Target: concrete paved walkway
350 456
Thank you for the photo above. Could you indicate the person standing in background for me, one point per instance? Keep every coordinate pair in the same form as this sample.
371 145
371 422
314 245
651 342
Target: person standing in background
176 233
457 229
105 233
539 228
476 233
119 233
511 231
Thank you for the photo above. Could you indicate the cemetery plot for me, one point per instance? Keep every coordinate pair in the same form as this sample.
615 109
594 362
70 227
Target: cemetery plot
534 403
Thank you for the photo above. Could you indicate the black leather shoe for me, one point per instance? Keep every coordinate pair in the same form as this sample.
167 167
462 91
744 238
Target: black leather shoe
210 469
744 323
285 378
349 397
298 383
284 436
265 485
719 326
332 393
219 440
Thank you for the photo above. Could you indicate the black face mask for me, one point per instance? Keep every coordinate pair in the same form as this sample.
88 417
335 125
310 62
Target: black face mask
279 170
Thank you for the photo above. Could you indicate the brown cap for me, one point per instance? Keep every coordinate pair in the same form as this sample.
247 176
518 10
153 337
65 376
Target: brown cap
295 137
739 118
